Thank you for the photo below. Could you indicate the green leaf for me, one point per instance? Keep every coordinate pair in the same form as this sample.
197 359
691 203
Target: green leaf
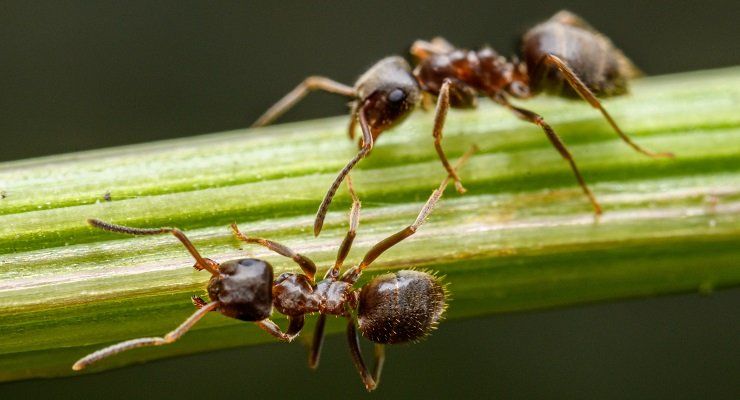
523 237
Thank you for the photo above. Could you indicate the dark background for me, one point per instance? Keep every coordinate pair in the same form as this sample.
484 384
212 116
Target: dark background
81 75
85 74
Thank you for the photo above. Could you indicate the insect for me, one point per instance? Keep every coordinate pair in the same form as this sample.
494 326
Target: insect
563 56
392 308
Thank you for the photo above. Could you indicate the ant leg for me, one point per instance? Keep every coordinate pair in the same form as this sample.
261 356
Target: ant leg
536 119
576 83
371 381
379 354
296 324
367 145
294 96
317 342
198 301
200 262
352 120
353 274
349 238
308 266
141 342
443 105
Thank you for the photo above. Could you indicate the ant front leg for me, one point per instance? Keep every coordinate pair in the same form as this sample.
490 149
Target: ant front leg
371 381
367 145
151 341
443 105
576 83
536 119
294 96
295 327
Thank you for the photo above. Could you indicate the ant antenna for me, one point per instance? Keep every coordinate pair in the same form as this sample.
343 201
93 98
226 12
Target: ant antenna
201 263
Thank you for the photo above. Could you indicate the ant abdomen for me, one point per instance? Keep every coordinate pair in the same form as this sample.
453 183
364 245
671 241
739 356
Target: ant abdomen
400 307
243 289
602 67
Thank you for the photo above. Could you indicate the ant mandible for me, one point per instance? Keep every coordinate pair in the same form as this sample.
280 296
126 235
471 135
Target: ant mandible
392 308
563 56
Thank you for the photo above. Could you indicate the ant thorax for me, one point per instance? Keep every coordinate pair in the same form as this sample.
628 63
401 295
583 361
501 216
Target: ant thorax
293 294
472 73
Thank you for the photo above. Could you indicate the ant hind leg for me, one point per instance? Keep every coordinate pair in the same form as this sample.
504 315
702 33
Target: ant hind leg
371 381
576 83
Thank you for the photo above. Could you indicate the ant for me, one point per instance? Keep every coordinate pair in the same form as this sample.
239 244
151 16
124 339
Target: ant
392 308
563 56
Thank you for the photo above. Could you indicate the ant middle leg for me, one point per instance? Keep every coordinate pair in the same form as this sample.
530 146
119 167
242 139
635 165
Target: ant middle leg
294 96
200 262
317 342
333 274
576 83
141 342
353 274
536 119
308 266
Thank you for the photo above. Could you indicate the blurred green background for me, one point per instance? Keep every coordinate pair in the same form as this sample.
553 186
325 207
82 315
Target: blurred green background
80 75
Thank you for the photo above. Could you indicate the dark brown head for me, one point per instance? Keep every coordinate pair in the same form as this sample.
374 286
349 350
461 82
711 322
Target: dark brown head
243 288
387 92
400 307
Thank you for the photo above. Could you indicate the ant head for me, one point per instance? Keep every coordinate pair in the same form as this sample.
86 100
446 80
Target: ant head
519 82
387 93
400 307
243 288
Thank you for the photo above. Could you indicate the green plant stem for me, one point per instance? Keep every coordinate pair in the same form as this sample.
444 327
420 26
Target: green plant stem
523 237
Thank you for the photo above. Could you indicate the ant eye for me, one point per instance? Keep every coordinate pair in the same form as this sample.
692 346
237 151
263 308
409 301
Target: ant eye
396 95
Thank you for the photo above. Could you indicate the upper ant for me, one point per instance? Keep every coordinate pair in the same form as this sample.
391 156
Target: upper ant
392 308
563 56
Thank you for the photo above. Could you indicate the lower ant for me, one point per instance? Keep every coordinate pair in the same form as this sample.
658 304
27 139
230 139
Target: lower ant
392 308
563 56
